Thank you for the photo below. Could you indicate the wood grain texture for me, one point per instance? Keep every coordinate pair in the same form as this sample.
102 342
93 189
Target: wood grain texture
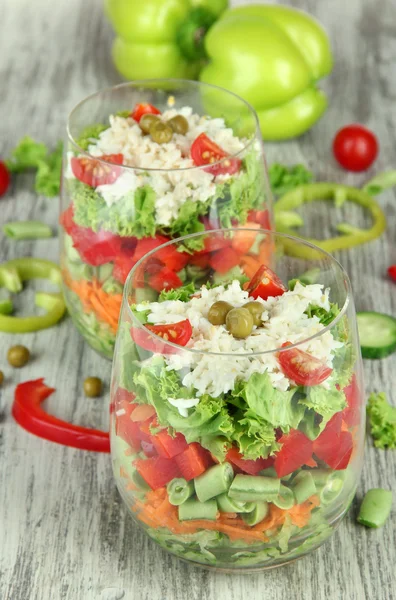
64 533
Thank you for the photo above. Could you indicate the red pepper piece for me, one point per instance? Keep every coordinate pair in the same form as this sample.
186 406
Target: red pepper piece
249 466
28 413
169 446
193 461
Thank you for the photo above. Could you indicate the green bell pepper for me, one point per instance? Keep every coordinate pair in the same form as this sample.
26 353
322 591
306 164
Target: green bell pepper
161 38
12 275
272 56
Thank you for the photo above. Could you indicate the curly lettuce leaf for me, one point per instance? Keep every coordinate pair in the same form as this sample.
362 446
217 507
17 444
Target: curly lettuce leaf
324 402
274 406
382 419
26 155
254 436
89 134
325 316
283 178
183 293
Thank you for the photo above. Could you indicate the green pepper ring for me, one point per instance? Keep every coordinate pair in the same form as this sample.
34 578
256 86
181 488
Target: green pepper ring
12 275
353 236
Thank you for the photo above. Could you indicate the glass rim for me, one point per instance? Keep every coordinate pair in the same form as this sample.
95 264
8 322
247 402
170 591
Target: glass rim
143 83
135 321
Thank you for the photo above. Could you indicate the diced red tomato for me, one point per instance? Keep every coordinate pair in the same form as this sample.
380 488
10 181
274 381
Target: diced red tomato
224 260
165 279
248 466
157 471
351 414
265 284
215 242
205 151
333 445
301 367
169 446
243 240
193 461
66 219
142 412
145 245
144 108
97 171
178 333
260 216
172 259
125 428
295 452
200 260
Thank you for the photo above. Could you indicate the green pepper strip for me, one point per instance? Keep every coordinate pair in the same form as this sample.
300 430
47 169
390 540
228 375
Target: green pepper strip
12 275
353 236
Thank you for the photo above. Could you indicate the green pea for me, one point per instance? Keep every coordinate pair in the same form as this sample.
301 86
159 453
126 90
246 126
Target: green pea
93 387
239 322
179 124
256 310
161 132
18 356
146 121
218 312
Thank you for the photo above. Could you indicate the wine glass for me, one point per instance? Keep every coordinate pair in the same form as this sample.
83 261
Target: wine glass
237 400
146 162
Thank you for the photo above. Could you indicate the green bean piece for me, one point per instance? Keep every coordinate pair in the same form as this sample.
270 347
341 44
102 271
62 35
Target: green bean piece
285 498
140 483
269 472
179 490
27 230
227 504
320 477
375 508
253 488
303 486
6 307
259 513
193 509
333 487
214 481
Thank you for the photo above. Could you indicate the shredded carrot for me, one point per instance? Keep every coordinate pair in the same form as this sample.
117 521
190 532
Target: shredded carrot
106 306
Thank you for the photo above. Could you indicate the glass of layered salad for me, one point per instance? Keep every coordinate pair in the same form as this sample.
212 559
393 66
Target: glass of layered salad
237 420
146 162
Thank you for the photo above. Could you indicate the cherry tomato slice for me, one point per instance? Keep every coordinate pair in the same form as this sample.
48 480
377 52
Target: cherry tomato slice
206 152
355 147
95 172
144 108
265 283
4 178
178 333
301 367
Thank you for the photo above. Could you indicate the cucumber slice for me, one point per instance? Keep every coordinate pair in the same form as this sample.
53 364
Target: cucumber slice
377 333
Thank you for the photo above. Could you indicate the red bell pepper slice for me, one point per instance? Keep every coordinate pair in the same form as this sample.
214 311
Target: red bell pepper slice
224 260
28 413
157 471
164 280
333 445
248 466
169 446
295 452
193 461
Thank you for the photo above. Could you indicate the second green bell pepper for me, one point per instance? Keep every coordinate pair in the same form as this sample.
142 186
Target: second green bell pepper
272 56
161 38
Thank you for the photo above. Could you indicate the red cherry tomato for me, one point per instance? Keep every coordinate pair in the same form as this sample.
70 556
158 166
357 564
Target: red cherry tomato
205 152
265 283
4 178
144 108
355 147
301 367
178 333
95 172
392 272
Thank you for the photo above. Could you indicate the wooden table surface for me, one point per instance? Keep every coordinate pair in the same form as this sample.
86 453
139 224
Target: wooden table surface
64 533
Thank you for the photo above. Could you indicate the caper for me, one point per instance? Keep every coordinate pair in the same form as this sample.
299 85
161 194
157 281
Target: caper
92 387
179 124
218 312
18 356
161 132
256 310
239 322
146 121
1 377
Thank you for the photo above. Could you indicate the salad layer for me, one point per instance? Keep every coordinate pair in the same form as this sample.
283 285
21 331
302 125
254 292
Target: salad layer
231 445
129 189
